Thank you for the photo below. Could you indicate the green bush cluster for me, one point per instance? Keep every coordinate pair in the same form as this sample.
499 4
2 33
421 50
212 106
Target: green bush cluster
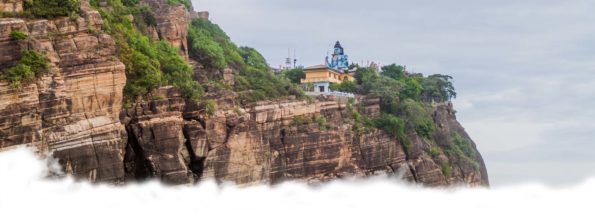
18 35
418 116
210 46
149 64
394 125
461 148
446 169
321 121
301 120
295 75
51 8
210 107
186 3
344 86
437 88
434 152
393 84
31 65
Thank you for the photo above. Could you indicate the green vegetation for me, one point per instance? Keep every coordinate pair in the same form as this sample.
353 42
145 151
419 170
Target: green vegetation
418 116
401 97
18 35
393 71
295 75
394 125
217 84
364 74
205 50
210 107
434 152
461 148
51 8
393 83
438 88
404 101
210 46
446 169
345 86
300 120
31 65
186 3
149 64
321 121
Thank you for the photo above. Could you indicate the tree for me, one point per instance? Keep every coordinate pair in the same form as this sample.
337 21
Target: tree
438 88
295 75
387 89
362 74
411 88
393 71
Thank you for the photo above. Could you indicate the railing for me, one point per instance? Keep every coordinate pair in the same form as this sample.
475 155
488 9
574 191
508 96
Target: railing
335 93
323 79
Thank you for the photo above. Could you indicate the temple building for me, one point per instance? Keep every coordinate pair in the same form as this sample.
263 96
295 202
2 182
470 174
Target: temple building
319 78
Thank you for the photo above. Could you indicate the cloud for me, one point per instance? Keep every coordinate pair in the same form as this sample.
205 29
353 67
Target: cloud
25 196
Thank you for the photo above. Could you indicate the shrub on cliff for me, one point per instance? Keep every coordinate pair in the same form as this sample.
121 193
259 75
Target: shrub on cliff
394 125
205 50
31 65
18 35
149 64
51 8
418 116
207 33
185 3
211 46
345 86
210 107
461 149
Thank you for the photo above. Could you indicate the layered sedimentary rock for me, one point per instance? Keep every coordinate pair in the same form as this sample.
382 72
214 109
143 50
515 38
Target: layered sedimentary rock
172 23
72 110
275 141
11 6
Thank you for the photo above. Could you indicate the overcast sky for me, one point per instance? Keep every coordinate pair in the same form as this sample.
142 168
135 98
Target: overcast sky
524 70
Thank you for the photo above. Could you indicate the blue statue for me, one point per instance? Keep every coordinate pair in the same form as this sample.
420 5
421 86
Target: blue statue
339 61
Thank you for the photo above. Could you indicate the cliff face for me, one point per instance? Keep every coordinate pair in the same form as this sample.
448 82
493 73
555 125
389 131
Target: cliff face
75 112
171 23
265 144
73 109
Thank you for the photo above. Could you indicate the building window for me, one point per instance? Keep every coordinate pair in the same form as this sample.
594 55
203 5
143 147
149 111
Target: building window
321 88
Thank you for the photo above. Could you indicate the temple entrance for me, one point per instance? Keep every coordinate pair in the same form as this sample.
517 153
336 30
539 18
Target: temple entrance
321 88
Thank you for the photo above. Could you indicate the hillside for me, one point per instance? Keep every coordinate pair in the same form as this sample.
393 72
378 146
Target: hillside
127 90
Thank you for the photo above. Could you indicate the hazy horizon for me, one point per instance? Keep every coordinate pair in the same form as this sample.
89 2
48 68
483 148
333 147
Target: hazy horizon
523 70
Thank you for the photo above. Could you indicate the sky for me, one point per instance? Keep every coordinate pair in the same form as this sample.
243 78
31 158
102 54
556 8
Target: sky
524 70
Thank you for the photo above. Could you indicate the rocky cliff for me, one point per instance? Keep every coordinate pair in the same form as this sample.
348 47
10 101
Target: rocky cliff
72 110
75 112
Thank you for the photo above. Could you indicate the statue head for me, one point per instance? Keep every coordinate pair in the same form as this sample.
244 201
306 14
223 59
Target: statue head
338 48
